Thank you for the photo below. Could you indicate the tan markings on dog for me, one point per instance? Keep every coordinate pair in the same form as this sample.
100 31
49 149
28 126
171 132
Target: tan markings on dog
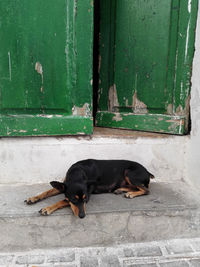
76 196
84 207
128 180
142 191
50 209
74 209
46 194
84 196
121 190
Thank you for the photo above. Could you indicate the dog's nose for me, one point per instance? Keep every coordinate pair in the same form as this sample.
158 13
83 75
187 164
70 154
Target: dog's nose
81 215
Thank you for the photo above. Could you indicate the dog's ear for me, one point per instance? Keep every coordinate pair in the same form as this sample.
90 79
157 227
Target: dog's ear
59 186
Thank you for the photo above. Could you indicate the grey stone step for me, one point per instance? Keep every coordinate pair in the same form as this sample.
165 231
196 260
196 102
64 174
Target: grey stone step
165 253
169 211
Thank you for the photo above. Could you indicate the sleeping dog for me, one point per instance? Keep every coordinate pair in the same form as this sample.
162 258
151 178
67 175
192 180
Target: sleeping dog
92 176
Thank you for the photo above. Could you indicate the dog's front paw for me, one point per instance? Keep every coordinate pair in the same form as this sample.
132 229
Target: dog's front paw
129 195
118 191
31 200
45 211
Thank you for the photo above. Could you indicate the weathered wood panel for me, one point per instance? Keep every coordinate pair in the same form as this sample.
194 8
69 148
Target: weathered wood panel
145 63
46 67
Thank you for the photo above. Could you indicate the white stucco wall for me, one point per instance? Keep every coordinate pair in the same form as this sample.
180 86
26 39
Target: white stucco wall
192 159
43 159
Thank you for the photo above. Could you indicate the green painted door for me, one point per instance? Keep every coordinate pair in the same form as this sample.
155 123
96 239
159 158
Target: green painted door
46 67
146 52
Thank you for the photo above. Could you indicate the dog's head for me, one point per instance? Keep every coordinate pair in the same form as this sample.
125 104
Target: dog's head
76 194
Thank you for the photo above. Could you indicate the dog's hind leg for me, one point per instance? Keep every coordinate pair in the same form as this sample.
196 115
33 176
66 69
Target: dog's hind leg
46 194
50 209
122 190
142 190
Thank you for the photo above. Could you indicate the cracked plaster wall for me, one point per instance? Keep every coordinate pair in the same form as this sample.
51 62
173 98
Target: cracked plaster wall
192 160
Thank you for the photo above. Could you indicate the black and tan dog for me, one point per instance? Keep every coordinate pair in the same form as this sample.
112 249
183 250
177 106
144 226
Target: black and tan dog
94 177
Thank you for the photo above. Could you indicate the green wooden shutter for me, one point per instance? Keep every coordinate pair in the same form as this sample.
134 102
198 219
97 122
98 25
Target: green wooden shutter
146 51
46 67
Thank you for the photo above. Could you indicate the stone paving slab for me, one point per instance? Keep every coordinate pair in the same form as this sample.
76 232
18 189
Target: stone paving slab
148 254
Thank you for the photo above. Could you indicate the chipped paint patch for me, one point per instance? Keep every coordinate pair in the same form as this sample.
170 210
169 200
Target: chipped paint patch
113 102
10 67
189 6
138 106
180 110
100 91
183 111
187 40
45 116
174 124
180 125
117 117
99 66
170 109
39 69
80 133
75 8
82 111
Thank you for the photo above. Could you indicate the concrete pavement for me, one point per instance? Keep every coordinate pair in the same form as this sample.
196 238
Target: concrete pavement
169 211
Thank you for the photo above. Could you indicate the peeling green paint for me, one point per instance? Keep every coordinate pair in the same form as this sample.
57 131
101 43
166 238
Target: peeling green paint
46 67
23 125
82 111
143 122
147 53
112 98
138 106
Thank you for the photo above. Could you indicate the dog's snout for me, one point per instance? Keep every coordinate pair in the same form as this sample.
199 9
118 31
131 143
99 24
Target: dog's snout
81 215
82 212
